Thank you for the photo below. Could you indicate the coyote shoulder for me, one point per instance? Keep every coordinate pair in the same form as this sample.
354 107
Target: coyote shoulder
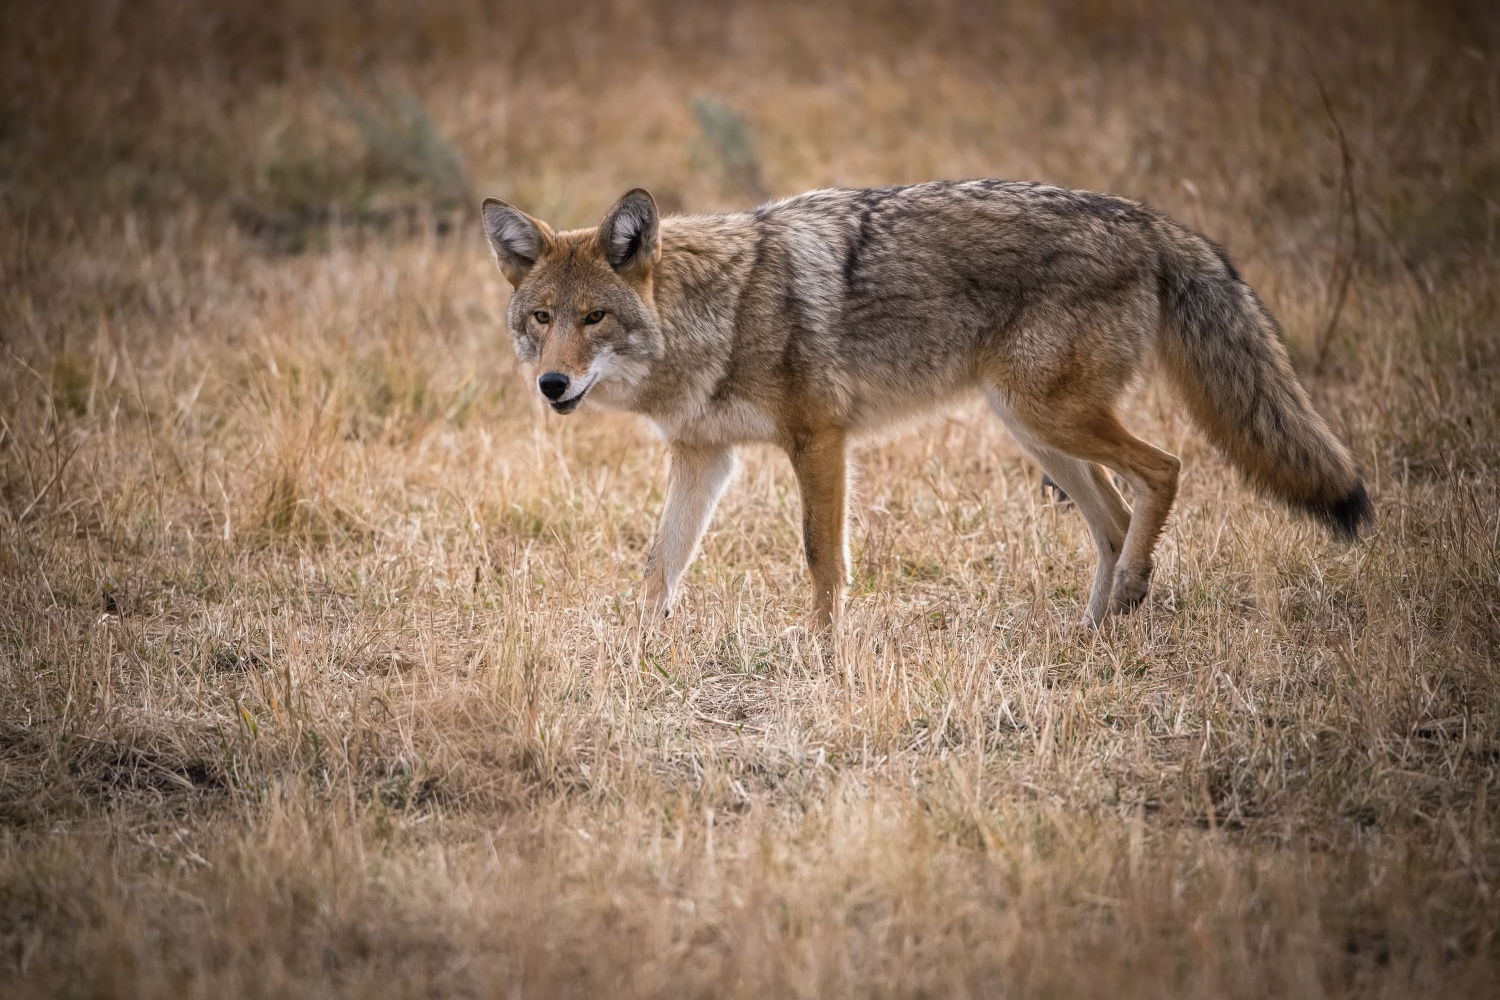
810 321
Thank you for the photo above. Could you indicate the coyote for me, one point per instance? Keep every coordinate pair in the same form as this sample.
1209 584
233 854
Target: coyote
810 321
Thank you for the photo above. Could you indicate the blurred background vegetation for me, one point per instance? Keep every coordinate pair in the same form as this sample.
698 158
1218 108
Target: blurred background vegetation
284 118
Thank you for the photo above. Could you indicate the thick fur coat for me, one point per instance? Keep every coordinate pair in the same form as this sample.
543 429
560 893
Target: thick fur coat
842 312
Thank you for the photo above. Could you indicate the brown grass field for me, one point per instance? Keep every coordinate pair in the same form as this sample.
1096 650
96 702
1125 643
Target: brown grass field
319 666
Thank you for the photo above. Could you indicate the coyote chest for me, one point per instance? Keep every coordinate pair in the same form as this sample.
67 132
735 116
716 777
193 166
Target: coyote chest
720 423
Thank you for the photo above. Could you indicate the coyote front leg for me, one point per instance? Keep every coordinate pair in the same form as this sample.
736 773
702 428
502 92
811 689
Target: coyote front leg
694 484
818 459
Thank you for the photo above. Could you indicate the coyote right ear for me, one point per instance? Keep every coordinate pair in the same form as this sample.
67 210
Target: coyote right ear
516 239
630 236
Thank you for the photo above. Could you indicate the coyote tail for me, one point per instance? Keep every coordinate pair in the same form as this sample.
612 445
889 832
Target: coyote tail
1225 353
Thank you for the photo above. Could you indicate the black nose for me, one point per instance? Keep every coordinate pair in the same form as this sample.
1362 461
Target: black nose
553 385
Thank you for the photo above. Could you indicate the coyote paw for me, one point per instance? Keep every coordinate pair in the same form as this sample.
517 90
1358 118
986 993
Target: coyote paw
655 609
1129 590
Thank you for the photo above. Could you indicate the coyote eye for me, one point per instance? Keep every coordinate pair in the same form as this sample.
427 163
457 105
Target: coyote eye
593 317
542 316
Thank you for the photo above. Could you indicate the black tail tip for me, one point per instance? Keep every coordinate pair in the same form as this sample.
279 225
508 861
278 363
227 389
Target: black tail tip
1345 516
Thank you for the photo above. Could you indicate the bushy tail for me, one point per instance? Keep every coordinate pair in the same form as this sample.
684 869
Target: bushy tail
1224 351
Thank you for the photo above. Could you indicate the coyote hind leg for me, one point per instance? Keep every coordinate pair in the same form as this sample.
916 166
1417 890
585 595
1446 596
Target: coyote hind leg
1088 486
1152 475
1091 432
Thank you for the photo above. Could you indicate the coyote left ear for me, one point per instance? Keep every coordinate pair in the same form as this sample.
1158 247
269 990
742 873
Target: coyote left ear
516 239
629 236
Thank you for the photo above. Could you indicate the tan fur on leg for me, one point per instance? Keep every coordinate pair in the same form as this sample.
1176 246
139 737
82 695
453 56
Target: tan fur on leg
819 461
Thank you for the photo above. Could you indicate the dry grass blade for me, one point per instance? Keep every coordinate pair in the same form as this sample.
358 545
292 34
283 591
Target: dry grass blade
1346 254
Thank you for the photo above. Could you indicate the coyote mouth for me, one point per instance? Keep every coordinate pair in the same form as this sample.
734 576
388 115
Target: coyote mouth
566 406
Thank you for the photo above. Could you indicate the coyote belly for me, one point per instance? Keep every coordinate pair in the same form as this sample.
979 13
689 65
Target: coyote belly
813 320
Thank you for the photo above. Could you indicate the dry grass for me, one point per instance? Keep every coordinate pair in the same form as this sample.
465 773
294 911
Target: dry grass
318 674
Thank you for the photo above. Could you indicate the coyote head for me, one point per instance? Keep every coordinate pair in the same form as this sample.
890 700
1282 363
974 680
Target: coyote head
582 312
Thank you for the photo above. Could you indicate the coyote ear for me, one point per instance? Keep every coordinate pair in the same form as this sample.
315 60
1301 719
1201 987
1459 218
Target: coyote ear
629 236
516 239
